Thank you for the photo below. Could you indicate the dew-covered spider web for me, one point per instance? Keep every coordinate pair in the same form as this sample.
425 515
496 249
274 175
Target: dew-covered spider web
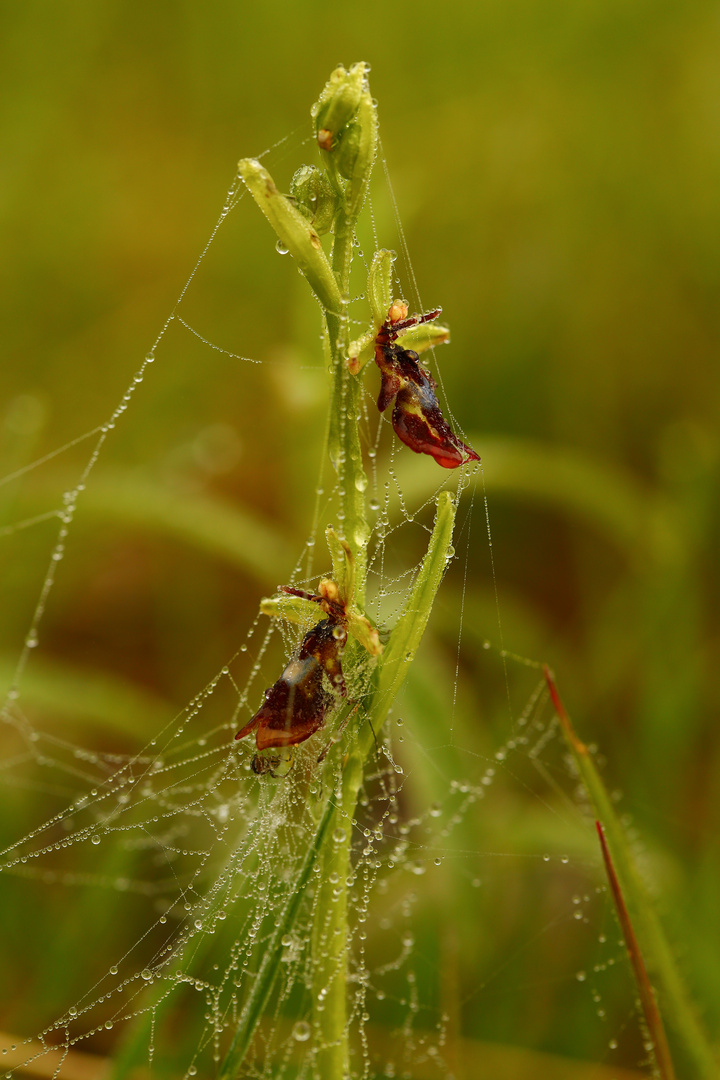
145 867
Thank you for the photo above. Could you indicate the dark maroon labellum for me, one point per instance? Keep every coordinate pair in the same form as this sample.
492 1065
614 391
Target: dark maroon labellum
295 707
416 416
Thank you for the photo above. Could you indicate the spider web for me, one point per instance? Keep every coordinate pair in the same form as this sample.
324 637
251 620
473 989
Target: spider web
171 863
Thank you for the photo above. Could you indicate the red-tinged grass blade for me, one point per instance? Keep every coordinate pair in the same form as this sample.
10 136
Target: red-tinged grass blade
647 997
678 1007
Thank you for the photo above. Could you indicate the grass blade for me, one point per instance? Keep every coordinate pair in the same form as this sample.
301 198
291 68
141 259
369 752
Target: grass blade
653 1019
656 949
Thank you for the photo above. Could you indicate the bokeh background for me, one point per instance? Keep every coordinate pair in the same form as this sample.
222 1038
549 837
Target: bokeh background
556 168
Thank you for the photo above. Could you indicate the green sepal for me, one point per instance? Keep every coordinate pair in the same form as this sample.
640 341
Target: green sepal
294 231
315 197
294 609
422 338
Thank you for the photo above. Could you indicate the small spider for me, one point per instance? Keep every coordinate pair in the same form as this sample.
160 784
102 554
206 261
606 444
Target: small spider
296 706
416 416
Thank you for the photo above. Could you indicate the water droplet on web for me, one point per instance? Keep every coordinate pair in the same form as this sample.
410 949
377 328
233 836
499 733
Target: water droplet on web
581 976
95 839
282 249
32 640
286 941
374 505
108 1024
302 1031
146 974
310 542
339 836
114 969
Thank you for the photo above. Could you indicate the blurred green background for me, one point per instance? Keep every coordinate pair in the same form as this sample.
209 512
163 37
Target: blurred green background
556 168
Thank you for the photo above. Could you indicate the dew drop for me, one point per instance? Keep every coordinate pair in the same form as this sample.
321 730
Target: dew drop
302 1031
282 249
95 839
581 976
146 974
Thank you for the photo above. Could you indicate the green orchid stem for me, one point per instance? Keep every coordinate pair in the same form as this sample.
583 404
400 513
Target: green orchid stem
331 931
674 999
345 445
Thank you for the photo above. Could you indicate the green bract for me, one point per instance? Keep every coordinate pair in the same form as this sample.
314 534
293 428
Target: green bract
294 231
